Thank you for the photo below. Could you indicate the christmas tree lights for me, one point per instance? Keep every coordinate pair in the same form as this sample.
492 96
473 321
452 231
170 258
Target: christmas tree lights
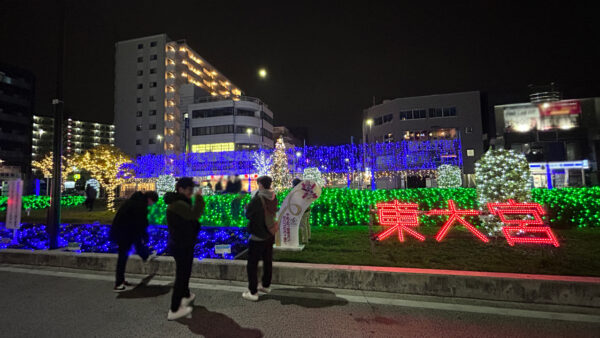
449 176
282 179
104 164
501 175
313 174
164 184
262 163
46 165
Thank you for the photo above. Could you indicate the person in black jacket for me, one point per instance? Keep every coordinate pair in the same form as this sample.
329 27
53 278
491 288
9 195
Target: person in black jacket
90 197
182 219
260 244
129 228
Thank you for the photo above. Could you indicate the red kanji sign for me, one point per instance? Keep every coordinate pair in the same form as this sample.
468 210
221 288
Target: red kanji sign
455 216
518 232
400 217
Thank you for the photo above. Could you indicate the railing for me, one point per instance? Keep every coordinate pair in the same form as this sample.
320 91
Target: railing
230 98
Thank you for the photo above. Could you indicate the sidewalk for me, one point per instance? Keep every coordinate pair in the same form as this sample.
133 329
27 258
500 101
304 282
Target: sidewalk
523 288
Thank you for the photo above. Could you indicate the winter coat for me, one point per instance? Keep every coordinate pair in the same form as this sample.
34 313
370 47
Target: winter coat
255 212
182 219
233 187
131 221
90 192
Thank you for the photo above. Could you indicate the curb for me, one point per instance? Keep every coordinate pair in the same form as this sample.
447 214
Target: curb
523 288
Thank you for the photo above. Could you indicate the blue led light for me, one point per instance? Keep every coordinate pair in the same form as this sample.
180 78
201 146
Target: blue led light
95 238
396 156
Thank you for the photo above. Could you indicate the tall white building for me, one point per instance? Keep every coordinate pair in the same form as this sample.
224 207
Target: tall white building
149 75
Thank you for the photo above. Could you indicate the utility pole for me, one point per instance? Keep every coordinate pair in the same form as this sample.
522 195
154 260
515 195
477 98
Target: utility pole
53 219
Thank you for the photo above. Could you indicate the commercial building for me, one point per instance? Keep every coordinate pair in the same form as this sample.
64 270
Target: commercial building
17 91
150 74
554 135
221 124
455 116
78 136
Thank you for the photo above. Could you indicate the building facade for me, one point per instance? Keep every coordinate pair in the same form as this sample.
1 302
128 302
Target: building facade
553 131
17 92
221 124
149 75
289 139
431 117
78 136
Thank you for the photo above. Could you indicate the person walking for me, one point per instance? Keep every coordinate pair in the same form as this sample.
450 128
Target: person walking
182 220
261 212
130 228
90 197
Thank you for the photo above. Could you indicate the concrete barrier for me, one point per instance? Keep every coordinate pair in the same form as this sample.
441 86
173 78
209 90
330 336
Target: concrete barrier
523 288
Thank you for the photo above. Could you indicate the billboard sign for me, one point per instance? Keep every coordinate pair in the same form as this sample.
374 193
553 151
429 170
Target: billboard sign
521 119
567 107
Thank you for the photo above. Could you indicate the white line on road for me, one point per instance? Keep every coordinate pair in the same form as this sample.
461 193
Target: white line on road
575 317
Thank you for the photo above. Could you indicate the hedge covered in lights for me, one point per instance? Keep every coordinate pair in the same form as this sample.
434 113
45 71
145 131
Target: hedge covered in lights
40 202
566 207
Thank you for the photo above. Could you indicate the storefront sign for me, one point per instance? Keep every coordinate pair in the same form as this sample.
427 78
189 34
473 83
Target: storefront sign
404 217
521 119
567 107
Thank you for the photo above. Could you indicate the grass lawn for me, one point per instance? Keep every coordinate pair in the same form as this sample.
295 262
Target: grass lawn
578 254
77 214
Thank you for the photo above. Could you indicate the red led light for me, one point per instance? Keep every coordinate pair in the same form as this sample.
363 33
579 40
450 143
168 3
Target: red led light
517 228
455 216
246 176
399 217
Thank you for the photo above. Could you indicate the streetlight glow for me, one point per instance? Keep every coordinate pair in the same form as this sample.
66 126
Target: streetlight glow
249 131
262 73
369 122
298 154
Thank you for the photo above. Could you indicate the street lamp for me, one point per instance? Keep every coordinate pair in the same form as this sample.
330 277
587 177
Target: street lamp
262 73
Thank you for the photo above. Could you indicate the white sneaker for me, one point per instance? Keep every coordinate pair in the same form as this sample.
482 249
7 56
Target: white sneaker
248 296
263 289
183 311
120 288
186 301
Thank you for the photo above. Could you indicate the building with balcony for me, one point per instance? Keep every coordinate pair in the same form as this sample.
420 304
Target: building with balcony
16 112
454 116
150 73
78 136
227 124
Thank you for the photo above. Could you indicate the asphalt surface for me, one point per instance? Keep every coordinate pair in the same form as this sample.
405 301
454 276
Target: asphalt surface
70 303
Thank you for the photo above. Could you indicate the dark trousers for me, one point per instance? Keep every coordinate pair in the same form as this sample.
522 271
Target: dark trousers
124 248
259 250
184 258
89 203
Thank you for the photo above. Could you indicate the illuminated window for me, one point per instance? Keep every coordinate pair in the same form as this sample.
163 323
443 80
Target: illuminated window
213 147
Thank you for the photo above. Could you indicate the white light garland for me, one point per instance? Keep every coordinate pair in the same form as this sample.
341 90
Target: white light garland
449 176
501 175
313 174
164 184
262 163
280 169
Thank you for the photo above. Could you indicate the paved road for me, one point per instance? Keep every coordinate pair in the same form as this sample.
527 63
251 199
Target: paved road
70 303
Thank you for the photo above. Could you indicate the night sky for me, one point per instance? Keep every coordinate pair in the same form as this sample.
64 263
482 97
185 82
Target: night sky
326 60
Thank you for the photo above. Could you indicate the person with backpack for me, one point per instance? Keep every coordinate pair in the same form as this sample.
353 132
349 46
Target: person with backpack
262 227
182 221
130 228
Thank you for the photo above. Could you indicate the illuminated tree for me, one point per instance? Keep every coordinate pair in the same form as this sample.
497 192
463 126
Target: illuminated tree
104 163
313 174
449 176
501 175
280 169
164 184
46 164
262 163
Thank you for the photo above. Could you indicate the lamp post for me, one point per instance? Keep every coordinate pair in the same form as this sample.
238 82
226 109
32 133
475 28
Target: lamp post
297 159
53 217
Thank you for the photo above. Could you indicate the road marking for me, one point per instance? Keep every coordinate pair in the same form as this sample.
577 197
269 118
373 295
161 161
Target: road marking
287 291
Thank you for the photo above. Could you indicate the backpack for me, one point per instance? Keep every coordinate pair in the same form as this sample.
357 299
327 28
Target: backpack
270 221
